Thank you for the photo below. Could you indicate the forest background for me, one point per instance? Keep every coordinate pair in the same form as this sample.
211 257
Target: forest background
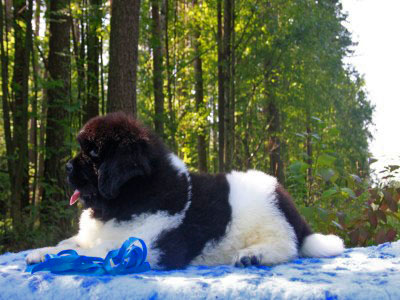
228 84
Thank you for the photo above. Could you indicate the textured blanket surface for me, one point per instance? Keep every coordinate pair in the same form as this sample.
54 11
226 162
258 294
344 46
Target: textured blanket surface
360 273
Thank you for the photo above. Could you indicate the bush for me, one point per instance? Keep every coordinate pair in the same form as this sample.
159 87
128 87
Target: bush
362 212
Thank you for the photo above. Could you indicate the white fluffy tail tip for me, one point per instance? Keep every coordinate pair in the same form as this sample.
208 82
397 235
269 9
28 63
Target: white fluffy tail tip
319 245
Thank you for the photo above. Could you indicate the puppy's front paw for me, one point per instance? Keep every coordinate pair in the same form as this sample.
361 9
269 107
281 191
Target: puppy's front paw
37 256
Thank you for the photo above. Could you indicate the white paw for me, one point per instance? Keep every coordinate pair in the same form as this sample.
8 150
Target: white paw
37 256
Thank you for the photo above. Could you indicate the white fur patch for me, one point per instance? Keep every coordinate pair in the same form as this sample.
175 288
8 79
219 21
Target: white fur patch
110 235
180 166
257 227
319 245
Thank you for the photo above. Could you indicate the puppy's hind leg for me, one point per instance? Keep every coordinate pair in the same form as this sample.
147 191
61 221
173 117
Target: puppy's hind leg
265 254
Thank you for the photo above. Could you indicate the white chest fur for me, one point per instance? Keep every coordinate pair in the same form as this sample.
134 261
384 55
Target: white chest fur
103 237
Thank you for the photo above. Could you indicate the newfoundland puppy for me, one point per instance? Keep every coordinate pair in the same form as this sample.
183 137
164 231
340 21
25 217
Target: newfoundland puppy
130 184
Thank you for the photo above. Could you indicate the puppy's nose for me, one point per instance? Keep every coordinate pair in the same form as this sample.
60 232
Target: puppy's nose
69 167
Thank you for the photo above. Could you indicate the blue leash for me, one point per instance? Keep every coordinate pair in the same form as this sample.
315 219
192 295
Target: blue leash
127 260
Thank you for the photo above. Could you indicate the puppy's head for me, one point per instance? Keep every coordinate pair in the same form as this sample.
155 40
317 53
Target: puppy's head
114 149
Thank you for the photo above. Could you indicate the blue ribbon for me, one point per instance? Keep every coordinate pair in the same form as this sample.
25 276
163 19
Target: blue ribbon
128 259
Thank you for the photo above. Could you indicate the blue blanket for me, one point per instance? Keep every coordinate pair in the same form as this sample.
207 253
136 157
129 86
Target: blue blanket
360 273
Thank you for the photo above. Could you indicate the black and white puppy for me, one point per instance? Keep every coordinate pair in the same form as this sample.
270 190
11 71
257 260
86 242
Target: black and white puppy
130 184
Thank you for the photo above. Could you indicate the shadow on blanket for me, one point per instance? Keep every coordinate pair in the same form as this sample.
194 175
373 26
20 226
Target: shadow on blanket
360 273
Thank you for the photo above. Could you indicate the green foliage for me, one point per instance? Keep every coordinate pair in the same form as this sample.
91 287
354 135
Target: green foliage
360 212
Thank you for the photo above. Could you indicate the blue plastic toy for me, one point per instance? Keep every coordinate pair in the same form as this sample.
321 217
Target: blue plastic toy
128 259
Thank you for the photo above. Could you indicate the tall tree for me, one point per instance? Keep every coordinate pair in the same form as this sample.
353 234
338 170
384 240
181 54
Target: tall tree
79 31
199 90
156 44
271 80
93 50
22 37
5 96
124 38
57 115
221 91
228 82
165 11
33 135
274 142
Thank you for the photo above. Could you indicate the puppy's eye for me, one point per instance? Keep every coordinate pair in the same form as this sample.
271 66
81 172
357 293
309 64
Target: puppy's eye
94 153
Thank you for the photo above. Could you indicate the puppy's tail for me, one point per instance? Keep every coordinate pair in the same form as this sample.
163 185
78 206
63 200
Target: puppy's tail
319 245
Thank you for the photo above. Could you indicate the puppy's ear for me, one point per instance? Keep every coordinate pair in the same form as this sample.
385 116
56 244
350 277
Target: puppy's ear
126 163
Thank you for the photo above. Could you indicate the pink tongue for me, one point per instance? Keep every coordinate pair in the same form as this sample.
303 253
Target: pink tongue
74 197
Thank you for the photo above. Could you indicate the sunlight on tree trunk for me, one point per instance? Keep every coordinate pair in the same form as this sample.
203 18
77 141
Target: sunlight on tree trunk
124 38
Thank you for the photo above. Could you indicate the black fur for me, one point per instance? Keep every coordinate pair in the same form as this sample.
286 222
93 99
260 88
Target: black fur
286 205
125 164
206 220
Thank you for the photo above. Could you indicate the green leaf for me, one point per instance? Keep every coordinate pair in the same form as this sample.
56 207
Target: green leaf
333 131
328 193
326 160
326 174
349 192
393 167
323 214
307 212
372 160
316 136
317 119
298 167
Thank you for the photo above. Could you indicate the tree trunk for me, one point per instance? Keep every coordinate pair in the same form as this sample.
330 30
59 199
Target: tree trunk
20 199
274 125
42 143
93 48
78 39
124 38
200 106
275 160
232 104
227 60
221 96
33 152
103 102
81 63
171 113
156 44
309 159
57 115
5 97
